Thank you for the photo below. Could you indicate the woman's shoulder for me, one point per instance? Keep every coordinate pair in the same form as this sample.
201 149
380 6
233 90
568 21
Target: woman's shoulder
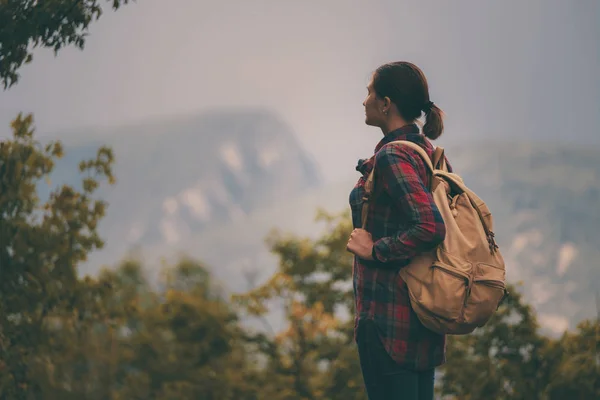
398 151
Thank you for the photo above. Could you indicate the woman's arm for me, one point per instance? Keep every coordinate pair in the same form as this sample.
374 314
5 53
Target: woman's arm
399 169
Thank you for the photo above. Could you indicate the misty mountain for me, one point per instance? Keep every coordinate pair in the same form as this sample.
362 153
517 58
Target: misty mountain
179 176
213 186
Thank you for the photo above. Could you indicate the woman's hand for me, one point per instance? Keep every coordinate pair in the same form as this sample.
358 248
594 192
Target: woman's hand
361 244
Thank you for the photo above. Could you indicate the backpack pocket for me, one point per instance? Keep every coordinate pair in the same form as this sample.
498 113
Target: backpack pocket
445 292
485 294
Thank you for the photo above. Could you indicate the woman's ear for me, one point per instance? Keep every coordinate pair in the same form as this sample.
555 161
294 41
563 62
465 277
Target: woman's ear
387 102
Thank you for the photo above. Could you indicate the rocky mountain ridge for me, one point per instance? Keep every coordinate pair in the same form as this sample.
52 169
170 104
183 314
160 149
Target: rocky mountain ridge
177 177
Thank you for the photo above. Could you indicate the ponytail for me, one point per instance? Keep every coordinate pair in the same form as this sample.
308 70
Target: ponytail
434 124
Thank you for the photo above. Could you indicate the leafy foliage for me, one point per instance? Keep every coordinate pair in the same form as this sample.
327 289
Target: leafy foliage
41 243
575 361
54 24
502 360
180 341
313 356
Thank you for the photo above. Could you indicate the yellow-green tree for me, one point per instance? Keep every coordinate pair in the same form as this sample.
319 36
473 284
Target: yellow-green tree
41 245
314 356
187 344
508 359
503 360
575 361
129 338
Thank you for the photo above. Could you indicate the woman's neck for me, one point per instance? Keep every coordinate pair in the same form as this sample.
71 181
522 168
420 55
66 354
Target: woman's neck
394 124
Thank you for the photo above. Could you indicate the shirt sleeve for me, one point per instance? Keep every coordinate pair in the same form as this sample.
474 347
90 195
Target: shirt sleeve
425 229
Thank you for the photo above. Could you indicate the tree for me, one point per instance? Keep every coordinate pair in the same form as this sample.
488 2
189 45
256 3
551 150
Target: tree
188 343
502 360
313 357
54 24
576 361
41 245
126 338
508 359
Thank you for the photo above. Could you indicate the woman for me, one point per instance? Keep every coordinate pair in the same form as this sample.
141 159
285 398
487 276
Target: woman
397 353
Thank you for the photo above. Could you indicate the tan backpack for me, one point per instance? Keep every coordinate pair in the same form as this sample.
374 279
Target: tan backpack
459 285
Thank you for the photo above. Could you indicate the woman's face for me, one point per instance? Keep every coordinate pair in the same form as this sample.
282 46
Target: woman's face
374 115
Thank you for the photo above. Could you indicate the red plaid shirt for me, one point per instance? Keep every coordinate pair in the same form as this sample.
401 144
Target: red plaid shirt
404 221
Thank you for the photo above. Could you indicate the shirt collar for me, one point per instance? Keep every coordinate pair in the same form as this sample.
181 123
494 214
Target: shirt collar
398 134
407 132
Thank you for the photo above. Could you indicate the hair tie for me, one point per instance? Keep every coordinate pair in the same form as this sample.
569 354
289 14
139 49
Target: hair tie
427 107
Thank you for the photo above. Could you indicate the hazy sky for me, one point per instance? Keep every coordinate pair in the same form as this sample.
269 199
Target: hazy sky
512 68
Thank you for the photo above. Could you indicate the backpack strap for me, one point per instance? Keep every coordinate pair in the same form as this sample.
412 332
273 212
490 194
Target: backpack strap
367 197
439 161
369 182
419 150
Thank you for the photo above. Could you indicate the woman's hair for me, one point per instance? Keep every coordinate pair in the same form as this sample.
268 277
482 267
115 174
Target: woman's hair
406 86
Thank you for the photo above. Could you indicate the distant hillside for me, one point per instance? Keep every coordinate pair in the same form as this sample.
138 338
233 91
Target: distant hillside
176 177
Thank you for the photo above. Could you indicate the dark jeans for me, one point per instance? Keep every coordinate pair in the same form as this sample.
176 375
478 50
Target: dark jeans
384 378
